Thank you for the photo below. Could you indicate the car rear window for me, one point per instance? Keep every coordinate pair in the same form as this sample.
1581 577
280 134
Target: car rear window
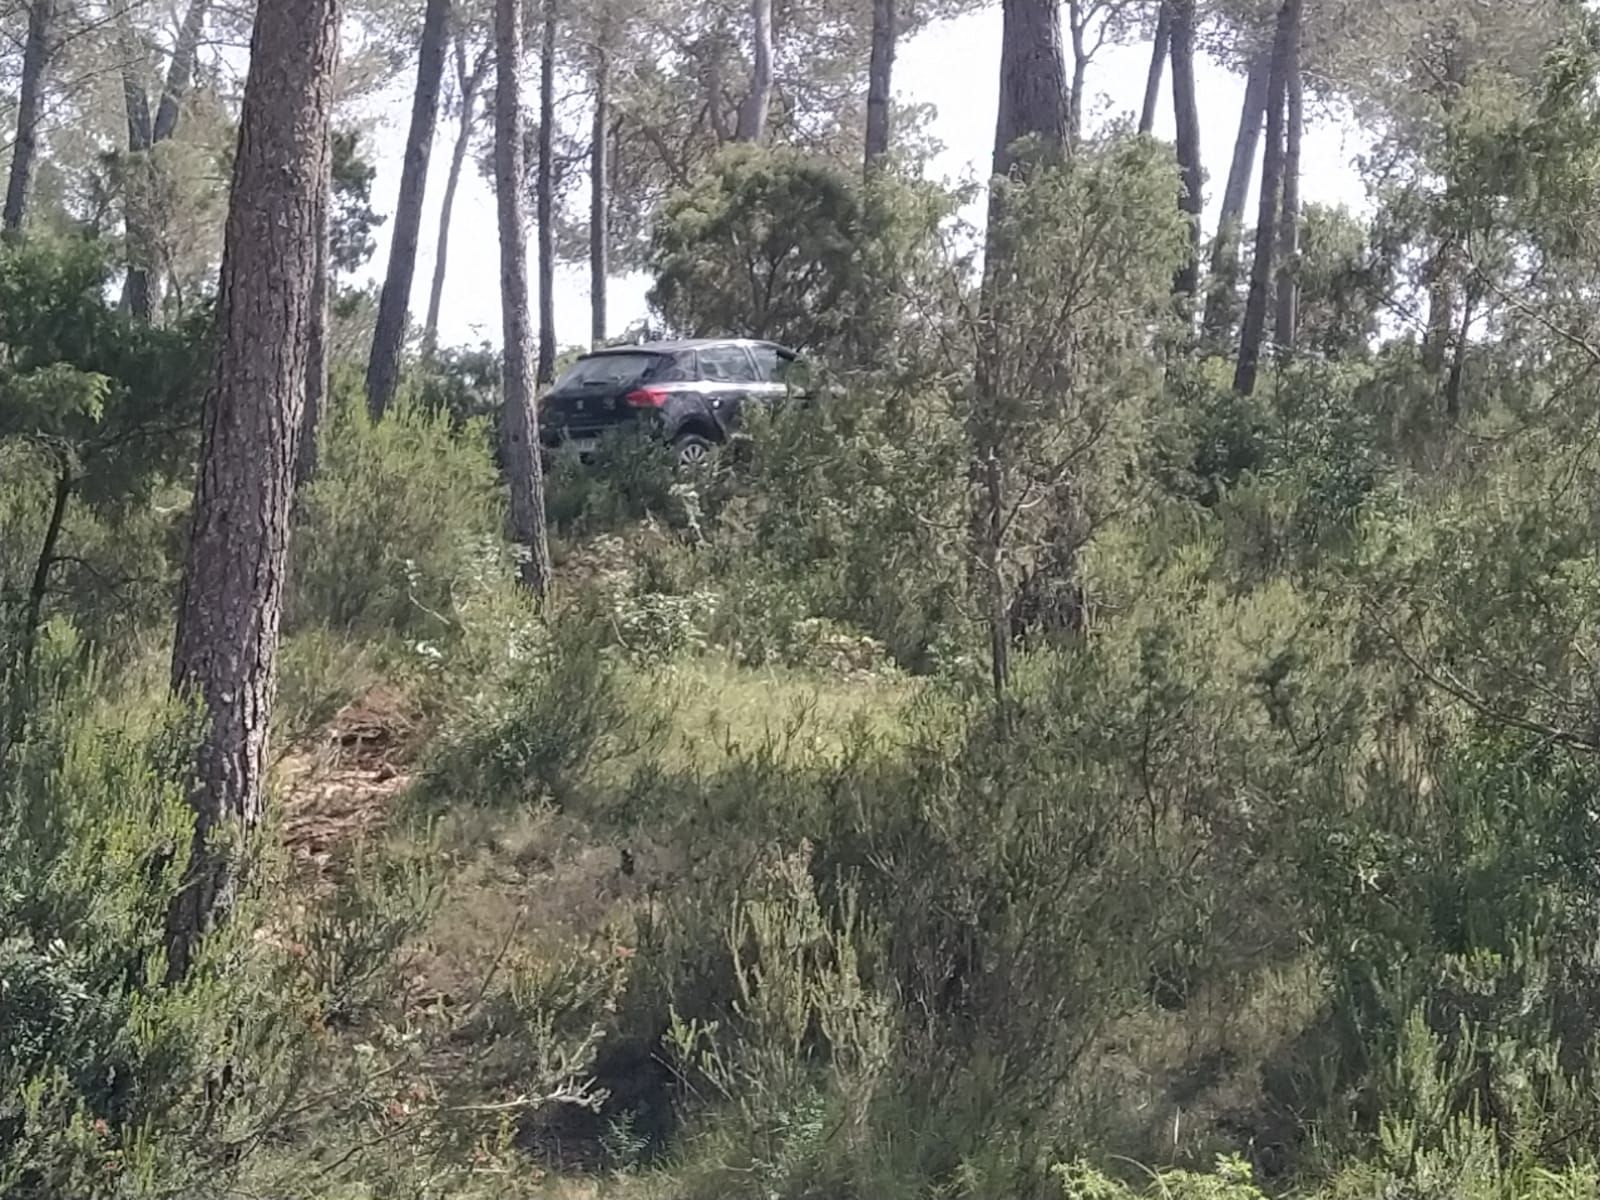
608 370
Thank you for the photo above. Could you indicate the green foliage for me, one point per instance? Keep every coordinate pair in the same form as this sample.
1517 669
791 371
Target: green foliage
774 243
402 518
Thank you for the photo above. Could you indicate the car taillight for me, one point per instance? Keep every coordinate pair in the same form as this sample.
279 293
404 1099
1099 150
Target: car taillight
645 398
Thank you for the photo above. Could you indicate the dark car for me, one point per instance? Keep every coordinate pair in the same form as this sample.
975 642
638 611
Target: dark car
690 393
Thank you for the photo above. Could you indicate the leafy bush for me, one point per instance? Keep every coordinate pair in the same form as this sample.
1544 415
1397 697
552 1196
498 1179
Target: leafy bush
403 515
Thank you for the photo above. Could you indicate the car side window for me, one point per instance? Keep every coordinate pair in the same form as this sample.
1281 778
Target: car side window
771 367
726 364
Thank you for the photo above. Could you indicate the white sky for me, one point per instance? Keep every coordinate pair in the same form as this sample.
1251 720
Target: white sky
953 65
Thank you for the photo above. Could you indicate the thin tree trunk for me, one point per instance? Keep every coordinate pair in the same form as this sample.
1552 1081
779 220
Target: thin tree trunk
1254 328
317 340
33 616
1287 321
137 182
225 649
520 421
180 71
1458 359
389 337
35 62
1220 300
470 82
599 201
753 112
144 134
1159 49
547 197
1077 31
1033 104
1441 306
1185 108
880 81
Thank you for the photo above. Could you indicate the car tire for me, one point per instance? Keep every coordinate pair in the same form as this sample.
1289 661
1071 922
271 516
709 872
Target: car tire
691 451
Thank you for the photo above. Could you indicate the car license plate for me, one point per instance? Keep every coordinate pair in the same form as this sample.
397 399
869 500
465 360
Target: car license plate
584 445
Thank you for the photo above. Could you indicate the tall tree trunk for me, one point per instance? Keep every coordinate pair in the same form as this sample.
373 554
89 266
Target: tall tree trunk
1286 322
1220 300
753 112
35 61
180 71
1254 328
520 420
599 200
226 646
547 197
469 82
1186 109
144 134
1077 31
388 339
1159 48
305 469
1033 81
1033 104
1458 358
880 80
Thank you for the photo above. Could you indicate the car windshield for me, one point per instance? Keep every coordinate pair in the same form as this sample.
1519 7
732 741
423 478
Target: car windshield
606 370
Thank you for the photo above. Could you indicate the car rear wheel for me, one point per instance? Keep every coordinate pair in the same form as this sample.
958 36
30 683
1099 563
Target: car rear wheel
691 450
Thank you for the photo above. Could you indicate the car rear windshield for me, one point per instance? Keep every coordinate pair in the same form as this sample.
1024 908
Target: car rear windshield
608 370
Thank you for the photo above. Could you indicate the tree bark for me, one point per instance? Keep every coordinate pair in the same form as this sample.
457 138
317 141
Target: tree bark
1033 81
144 134
1254 328
470 82
547 197
180 71
30 100
880 81
1185 108
1220 301
1033 105
388 339
305 469
1077 30
33 616
1286 322
599 200
753 112
520 421
225 649
1159 49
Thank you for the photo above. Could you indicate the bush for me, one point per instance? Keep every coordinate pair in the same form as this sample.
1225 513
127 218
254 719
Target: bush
403 516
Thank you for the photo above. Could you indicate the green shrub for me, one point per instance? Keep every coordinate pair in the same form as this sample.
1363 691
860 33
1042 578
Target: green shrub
404 514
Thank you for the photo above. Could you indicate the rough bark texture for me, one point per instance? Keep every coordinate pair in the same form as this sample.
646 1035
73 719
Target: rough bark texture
1254 328
225 650
1220 302
1159 49
1186 109
388 338
880 80
1033 80
520 419
25 149
1287 320
305 468
753 112
469 82
599 200
547 197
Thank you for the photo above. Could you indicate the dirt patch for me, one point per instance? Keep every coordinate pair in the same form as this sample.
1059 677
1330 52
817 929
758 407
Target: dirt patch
340 790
